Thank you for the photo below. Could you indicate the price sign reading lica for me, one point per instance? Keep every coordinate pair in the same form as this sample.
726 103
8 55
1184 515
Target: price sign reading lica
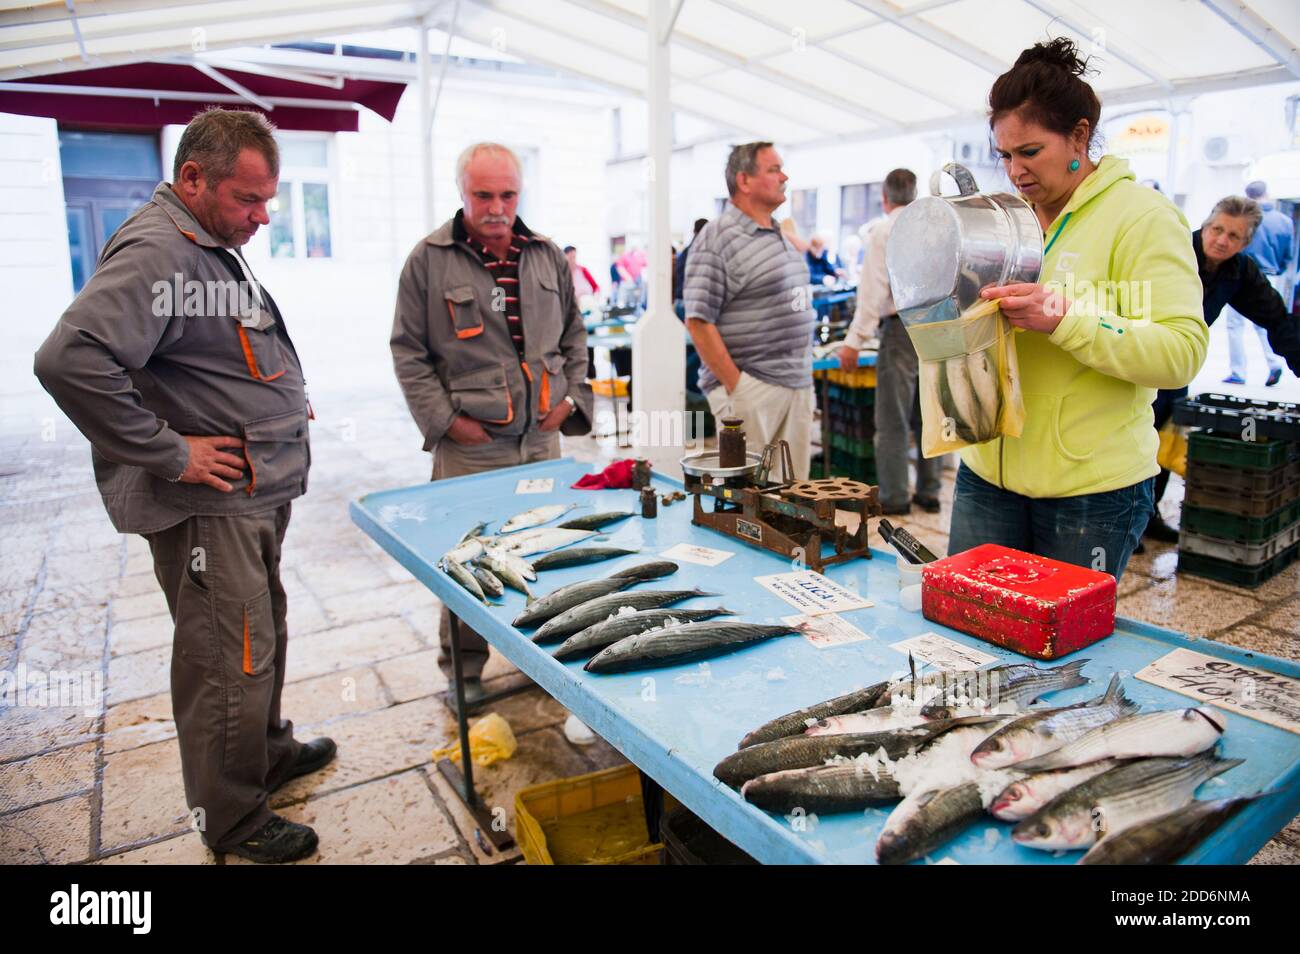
1243 689
811 593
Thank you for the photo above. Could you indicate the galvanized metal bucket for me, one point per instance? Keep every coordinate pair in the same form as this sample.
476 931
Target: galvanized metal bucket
943 249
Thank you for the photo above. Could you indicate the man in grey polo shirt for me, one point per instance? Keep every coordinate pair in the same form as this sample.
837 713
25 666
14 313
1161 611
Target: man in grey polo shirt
749 310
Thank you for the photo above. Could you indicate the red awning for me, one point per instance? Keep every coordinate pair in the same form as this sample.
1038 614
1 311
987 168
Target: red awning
182 90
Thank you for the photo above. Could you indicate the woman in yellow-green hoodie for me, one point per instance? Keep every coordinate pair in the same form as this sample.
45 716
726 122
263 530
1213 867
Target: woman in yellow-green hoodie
1116 315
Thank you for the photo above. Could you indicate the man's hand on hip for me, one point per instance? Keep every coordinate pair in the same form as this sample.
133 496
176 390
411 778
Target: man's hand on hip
466 430
848 358
208 463
557 416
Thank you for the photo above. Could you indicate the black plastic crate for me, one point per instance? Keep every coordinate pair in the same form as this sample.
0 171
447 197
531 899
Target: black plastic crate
688 840
1227 414
1234 573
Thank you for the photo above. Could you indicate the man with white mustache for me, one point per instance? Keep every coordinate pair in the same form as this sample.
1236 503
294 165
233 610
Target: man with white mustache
489 346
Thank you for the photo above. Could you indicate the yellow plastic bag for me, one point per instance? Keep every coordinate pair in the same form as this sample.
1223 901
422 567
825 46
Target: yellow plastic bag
490 740
1173 448
969 380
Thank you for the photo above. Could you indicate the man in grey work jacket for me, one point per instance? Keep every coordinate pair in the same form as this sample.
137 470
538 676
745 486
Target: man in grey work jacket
177 367
489 346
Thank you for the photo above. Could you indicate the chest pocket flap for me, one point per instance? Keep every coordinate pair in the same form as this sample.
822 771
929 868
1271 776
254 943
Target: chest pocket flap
466 315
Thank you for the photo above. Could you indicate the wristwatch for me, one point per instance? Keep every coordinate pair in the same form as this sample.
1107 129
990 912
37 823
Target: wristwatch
573 405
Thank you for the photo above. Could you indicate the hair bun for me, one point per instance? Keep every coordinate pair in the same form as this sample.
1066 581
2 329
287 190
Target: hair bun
1059 52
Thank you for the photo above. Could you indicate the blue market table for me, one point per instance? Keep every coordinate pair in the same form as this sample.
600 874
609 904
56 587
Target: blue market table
676 723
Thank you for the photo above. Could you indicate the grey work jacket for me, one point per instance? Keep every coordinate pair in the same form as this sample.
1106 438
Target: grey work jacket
452 351
168 339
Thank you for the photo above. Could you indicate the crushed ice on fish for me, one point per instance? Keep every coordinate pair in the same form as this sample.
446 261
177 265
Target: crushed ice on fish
776 675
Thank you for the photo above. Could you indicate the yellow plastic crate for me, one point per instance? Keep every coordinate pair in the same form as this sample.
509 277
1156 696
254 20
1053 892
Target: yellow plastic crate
596 819
857 378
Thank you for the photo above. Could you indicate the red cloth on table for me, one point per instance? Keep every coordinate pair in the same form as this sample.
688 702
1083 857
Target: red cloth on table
617 476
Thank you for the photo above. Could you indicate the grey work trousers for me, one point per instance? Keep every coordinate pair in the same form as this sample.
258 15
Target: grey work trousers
898 416
221 578
458 460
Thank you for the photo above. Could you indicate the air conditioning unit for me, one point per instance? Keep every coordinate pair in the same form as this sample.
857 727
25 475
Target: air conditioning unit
970 152
1224 151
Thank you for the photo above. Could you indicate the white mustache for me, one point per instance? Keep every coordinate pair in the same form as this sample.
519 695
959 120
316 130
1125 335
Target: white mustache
495 220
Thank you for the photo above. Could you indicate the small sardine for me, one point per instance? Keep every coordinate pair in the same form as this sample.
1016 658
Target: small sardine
489 583
595 521
464 577
473 532
464 552
543 540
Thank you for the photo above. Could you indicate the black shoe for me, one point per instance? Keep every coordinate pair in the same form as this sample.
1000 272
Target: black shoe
313 755
1160 531
928 504
897 511
1140 548
1274 376
277 842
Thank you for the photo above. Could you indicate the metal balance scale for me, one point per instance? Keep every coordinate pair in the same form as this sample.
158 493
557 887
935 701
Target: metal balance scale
794 518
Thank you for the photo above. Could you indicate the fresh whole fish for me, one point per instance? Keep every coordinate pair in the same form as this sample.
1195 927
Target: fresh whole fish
964 410
1169 732
1015 685
602 607
544 540
475 532
984 382
873 720
517 563
797 722
684 643
925 820
1112 801
578 556
595 521
489 583
536 517
464 577
574 594
566 597
654 570
596 637
806 751
506 573
1025 796
1163 840
464 552
845 786
1041 732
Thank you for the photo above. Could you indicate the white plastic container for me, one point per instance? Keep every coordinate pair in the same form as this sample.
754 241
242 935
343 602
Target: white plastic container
909 585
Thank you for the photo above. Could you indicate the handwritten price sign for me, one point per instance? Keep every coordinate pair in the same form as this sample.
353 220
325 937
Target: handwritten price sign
1245 690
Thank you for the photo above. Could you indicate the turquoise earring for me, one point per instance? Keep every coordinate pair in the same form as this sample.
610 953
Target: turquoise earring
1074 165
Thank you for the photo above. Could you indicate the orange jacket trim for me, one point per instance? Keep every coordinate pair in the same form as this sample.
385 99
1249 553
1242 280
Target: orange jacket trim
461 333
248 647
252 361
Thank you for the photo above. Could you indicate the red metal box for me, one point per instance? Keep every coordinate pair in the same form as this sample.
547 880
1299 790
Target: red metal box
1030 604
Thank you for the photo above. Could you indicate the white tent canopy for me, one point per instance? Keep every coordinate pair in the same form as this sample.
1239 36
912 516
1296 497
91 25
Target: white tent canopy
795 72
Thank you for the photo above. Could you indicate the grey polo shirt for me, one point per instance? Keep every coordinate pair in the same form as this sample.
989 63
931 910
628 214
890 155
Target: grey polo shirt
752 284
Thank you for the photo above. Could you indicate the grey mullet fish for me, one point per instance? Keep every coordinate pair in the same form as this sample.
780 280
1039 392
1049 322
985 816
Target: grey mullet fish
924 820
842 787
1163 840
587 643
578 556
1019 684
1025 796
1174 732
1113 801
684 643
595 521
1041 732
573 594
795 723
602 607
806 751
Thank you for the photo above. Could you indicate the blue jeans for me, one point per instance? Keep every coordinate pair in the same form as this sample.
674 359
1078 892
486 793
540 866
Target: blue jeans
1098 531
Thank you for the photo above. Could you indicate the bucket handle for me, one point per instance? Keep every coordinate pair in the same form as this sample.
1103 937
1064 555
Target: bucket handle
966 184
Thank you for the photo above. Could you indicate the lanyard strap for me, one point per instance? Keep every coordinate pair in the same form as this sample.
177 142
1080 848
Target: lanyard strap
1057 234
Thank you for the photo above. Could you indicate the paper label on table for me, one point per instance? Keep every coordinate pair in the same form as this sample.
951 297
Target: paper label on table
704 556
943 652
1246 690
811 593
535 486
827 630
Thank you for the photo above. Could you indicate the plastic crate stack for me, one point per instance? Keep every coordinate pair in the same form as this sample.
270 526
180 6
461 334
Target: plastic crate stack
1241 511
851 408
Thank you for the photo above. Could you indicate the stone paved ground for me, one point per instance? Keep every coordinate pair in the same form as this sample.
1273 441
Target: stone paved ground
76 596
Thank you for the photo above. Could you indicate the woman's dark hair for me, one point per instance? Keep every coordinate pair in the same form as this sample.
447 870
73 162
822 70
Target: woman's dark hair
1046 87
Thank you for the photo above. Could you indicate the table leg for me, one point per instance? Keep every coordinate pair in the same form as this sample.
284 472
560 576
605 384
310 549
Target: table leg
826 423
461 778
652 797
